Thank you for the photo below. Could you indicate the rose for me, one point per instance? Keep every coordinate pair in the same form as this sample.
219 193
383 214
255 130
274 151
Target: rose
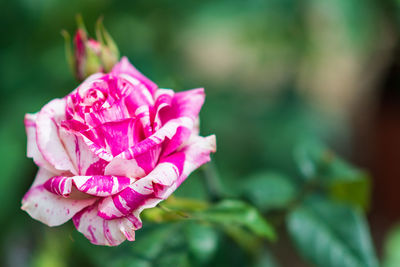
113 147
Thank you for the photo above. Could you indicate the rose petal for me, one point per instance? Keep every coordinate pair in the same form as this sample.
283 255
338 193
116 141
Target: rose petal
147 152
137 96
49 208
170 145
124 167
197 152
146 192
124 66
163 99
184 104
143 115
117 112
96 185
105 232
32 149
48 138
114 137
81 156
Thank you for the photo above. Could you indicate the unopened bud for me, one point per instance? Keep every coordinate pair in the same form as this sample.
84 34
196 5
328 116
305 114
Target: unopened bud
89 55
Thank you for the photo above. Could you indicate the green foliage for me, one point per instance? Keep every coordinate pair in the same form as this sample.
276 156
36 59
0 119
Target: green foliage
51 253
269 190
331 235
266 259
342 181
202 241
329 228
237 213
155 241
250 57
391 257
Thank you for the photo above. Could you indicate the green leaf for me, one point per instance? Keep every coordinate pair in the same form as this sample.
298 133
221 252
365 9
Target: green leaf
235 212
176 259
269 190
331 235
341 181
391 256
266 259
356 192
151 241
308 156
127 261
202 240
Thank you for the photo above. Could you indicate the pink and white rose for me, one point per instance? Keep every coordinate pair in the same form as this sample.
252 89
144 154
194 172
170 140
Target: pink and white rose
113 147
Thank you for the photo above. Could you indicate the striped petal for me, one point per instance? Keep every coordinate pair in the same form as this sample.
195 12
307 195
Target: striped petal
96 185
47 207
137 96
84 160
48 138
144 193
32 148
163 99
146 153
125 67
105 232
197 152
114 137
184 104
161 182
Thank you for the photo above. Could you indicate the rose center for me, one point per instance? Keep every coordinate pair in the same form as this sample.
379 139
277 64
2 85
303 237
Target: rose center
94 98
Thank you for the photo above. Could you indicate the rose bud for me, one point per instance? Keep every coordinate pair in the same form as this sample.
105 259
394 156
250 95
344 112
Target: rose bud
90 56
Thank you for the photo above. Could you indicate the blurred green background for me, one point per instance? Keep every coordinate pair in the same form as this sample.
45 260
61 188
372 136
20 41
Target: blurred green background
277 73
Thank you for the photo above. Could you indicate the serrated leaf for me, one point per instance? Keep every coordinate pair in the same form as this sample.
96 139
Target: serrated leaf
331 235
235 212
269 190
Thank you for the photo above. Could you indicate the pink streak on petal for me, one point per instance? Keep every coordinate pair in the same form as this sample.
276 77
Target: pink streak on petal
184 104
163 99
96 185
32 149
145 192
105 232
115 137
147 152
124 167
197 152
79 153
161 182
49 208
171 145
